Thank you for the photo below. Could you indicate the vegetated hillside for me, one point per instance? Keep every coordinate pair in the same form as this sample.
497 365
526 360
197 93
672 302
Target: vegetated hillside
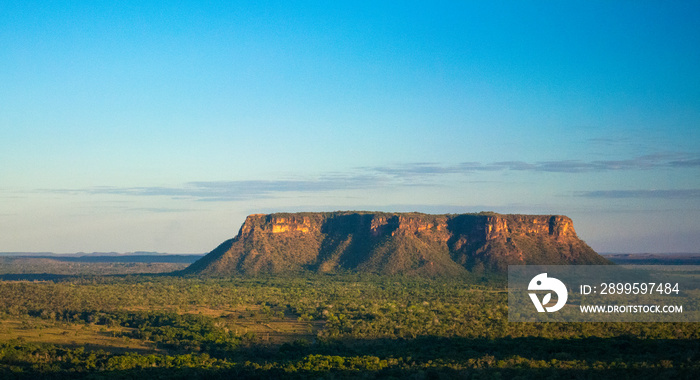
395 243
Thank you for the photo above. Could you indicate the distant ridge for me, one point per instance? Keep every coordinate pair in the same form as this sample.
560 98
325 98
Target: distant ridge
84 254
654 258
100 258
395 243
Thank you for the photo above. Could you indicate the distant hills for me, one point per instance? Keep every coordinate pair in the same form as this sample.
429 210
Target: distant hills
395 243
102 257
83 254
653 258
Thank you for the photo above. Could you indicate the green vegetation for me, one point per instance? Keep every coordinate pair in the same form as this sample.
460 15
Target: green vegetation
332 325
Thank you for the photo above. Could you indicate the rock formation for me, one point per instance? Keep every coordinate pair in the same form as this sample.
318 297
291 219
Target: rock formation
393 243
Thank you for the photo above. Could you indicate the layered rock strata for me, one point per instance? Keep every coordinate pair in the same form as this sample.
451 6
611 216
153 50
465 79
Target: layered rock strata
395 243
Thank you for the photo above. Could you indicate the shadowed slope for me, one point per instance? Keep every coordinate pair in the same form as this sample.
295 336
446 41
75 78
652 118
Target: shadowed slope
395 243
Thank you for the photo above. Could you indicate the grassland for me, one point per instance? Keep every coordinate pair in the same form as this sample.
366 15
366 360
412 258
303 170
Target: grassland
91 337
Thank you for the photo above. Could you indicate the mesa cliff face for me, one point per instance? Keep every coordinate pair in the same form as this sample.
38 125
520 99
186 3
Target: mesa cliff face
392 243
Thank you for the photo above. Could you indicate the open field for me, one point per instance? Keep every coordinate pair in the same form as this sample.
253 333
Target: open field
91 337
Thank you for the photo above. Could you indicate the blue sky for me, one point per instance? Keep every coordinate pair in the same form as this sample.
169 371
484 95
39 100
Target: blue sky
138 125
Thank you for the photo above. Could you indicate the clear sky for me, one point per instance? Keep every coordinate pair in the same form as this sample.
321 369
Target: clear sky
158 126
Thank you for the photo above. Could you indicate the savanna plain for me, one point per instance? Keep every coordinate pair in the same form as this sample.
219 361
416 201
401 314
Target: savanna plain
126 320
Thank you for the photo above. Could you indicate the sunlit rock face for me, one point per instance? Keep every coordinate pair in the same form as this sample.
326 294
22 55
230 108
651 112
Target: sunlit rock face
395 243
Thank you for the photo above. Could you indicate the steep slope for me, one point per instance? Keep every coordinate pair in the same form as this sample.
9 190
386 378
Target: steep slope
392 243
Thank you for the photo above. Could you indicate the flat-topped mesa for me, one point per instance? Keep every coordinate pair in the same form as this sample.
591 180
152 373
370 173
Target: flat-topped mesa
393 243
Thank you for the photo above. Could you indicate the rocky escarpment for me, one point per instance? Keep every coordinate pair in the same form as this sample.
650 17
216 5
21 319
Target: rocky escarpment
392 243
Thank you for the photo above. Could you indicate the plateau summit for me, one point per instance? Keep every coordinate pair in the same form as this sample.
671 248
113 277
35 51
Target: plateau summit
395 243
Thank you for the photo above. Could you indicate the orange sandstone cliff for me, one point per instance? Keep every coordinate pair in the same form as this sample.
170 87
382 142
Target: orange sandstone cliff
394 243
